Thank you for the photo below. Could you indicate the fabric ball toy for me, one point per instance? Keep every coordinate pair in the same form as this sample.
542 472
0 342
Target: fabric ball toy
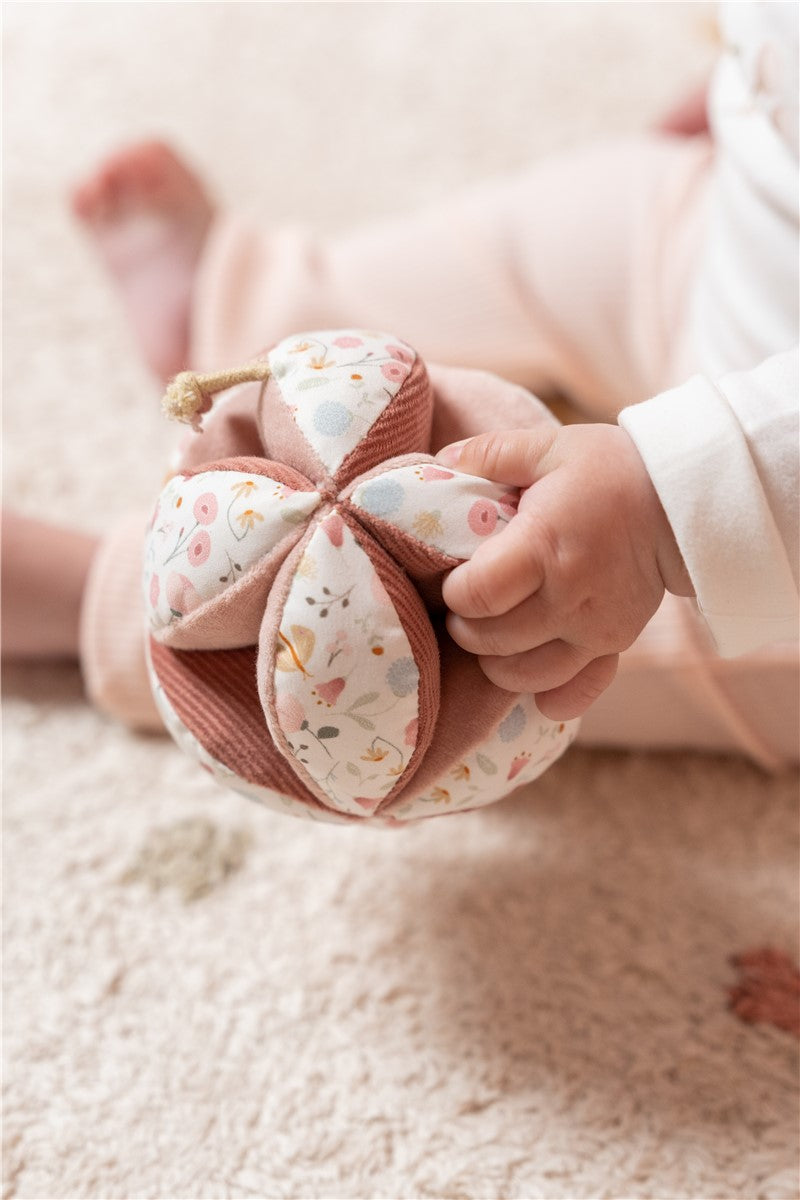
293 573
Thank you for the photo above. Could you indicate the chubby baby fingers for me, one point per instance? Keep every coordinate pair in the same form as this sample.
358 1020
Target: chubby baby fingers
575 697
525 627
538 670
501 573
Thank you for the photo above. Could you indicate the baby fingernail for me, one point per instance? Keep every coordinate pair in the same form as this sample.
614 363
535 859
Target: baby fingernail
449 455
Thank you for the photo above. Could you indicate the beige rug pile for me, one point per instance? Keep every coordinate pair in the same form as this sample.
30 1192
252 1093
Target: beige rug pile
203 999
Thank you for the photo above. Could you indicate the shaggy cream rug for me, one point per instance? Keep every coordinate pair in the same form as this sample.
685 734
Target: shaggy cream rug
203 999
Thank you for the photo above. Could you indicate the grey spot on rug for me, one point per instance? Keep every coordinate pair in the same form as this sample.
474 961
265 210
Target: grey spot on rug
194 856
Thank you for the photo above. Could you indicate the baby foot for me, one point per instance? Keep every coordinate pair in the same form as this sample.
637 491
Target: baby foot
148 215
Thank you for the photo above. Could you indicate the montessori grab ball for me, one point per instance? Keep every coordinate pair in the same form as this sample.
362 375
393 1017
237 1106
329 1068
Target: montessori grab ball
292 580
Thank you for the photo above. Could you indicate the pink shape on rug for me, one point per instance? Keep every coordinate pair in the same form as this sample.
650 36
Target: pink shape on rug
769 991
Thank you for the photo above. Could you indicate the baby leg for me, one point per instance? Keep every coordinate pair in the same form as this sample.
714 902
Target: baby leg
148 215
569 277
68 594
44 573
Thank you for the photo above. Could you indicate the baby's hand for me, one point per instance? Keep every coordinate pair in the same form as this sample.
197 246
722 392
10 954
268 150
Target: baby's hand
573 579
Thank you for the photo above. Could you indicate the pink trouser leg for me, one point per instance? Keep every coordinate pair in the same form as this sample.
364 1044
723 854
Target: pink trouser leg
573 277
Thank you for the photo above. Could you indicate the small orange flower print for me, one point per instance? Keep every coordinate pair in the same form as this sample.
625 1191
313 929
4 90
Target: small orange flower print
440 795
300 347
461 771
318 362
243 488
248 518
374 754
427 525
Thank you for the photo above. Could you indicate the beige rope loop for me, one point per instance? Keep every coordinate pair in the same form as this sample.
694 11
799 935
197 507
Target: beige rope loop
188 396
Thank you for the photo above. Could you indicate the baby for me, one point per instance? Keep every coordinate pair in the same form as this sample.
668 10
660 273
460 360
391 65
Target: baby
653 281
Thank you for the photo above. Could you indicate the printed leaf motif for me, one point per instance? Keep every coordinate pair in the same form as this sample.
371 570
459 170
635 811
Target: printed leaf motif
366 698
485 764
295 651
327 731
364 722
314 382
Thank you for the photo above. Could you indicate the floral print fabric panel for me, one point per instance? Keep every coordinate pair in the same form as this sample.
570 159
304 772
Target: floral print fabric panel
207 531
448 510
337 383
189 744
522 747
346 682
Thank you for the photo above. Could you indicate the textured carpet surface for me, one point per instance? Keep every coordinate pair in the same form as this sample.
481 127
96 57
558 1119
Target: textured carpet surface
203 999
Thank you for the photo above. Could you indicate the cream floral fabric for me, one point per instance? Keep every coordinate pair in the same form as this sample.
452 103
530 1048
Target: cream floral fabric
208 531
346 681
447 510
338 383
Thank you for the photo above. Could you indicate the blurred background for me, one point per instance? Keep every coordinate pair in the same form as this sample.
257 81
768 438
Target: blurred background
325 114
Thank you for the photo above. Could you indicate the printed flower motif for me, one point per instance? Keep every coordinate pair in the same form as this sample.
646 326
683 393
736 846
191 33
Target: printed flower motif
410 735
482 518
334 527
307 567
330 691
403 676
440 795
243 488
374 754
427 525
428 473
282 491
462 771
517 765
199 548
399 353
512 725
509 504
290 713
395 372
332 419
348 343
206 508
182 596
318 362
155 588
248 518
382 497
338 644
300 348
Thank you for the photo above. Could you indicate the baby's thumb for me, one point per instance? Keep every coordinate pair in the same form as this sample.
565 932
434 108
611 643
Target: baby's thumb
511 456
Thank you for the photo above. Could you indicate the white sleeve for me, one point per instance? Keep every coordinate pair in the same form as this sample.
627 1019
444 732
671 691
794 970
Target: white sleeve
723 457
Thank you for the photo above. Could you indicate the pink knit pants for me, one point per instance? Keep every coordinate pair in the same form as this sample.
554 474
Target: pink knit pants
575 277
